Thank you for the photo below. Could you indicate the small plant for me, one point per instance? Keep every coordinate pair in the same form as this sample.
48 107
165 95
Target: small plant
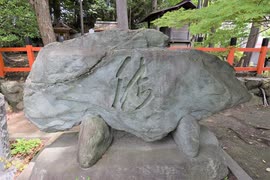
19 165
266 74
24 147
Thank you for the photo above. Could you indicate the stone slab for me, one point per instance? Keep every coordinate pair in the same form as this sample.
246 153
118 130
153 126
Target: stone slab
235 168
129 158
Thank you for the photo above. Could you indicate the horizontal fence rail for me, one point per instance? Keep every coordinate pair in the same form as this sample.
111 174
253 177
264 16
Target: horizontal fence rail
231 56
260 68
29 49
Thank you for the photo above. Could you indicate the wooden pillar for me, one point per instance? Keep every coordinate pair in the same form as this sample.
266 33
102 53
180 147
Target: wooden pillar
262 56
2 66
230 57
30 55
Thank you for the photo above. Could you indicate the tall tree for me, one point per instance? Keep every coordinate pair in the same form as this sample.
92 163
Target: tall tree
137 10
41 8
92 10
122 17
55 9
252 40
205 3
154 5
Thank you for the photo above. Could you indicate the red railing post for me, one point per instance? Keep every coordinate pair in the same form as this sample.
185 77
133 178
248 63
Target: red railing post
30 55
2 66
262 56
230 57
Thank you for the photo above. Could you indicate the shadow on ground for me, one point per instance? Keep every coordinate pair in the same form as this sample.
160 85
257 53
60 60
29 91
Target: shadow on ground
244 133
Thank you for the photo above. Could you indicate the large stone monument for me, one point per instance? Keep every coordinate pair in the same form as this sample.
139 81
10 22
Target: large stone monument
130 81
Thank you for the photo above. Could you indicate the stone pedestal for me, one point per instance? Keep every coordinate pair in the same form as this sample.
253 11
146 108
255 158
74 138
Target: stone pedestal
130 158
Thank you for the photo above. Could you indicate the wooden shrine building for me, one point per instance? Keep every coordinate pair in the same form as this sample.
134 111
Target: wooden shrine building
179 36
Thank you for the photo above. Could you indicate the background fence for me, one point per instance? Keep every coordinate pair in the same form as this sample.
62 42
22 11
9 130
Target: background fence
231 50
29 49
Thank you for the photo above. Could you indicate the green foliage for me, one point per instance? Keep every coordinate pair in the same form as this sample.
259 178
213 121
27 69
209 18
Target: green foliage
223 55
101 10
167 3
138 9
221 20
93 9
23 146
266 74
17 21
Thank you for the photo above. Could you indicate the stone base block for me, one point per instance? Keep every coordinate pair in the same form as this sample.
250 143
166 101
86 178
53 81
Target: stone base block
130 158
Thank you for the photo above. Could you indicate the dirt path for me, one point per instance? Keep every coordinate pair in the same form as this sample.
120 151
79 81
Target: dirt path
244 133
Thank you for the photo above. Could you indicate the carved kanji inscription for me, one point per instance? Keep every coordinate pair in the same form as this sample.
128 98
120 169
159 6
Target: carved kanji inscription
132 94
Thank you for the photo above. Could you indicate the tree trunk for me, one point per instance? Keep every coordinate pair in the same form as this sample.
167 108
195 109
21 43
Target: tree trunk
77 19
252 40
213 31
154 5
122 17
44 20
81 17
205 3
55 4
199 6
130 17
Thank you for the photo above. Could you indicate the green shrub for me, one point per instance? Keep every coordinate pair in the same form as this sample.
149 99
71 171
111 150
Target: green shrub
23 146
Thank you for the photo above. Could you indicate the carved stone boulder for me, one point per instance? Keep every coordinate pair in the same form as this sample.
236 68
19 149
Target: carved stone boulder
138 88
133 82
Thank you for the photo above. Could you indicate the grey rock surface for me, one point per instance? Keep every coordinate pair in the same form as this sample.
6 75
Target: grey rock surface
129 80
4 137
130 158
253 84
256 86
267 92
20 106
13 92
209 164
5 174
187 136
207 137
94 139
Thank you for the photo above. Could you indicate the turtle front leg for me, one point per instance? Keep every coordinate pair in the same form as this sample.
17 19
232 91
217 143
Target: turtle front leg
94 139
187 136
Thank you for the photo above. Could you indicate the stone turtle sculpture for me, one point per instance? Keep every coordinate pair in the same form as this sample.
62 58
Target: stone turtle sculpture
131 82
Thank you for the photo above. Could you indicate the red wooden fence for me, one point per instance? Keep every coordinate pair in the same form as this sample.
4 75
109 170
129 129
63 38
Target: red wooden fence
230 58
30 56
